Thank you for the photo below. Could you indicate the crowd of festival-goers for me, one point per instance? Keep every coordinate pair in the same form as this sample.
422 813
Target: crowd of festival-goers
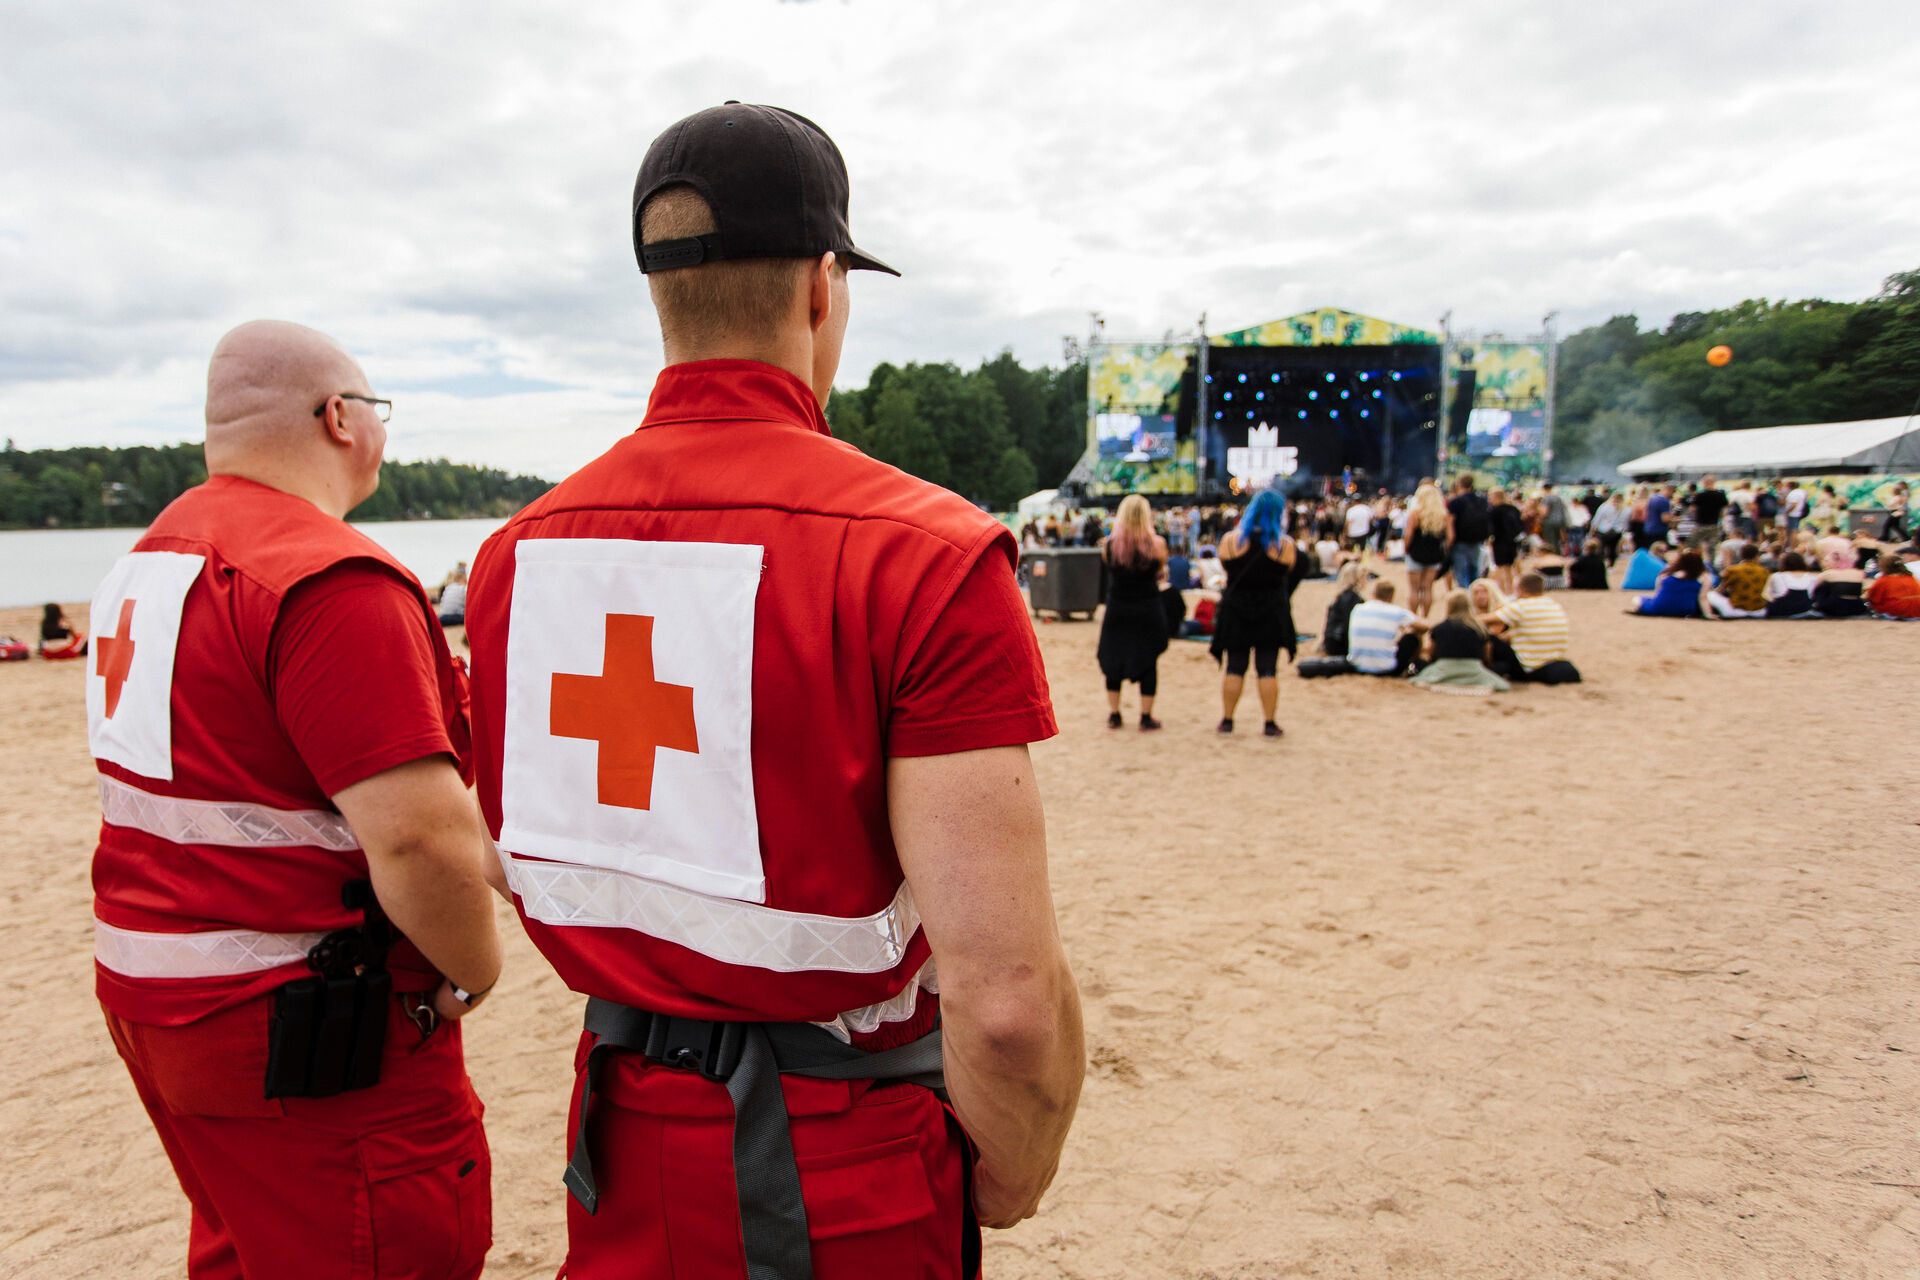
1476 616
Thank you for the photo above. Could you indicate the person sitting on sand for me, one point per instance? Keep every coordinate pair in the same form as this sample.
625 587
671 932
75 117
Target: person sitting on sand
1841 590
1536 636
1487 597
1588 570
1896 592
1645 568
1383 638
59 638
1180 575
1677 594
1743 587
1457 650
1790 589
453 596
1835 551
1350 589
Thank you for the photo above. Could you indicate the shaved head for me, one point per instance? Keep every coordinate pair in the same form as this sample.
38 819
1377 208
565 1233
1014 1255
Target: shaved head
263 385
270 373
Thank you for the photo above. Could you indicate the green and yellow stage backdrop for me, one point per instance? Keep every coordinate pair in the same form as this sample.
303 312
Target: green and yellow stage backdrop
1507 426
1133 396
1325 327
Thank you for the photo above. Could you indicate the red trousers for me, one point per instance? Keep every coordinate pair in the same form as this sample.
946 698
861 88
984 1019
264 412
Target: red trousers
392 1181
883 1172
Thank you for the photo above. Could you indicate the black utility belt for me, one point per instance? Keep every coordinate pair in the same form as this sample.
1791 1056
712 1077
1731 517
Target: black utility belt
328 1032
748 1058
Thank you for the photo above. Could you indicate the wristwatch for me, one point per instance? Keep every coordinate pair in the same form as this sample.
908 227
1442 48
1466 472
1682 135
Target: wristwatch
471 999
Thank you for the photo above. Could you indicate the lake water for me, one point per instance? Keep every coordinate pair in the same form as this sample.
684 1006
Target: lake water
65 565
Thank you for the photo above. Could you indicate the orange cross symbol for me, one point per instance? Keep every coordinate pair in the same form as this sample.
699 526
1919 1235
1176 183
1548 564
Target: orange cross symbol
625 710
116 657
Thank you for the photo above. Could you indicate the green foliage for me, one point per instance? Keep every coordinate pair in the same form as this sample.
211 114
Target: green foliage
992 435
442 490
96 487
1622 392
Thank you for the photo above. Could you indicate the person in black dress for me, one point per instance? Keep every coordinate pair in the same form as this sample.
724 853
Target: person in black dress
1255 617
1133 631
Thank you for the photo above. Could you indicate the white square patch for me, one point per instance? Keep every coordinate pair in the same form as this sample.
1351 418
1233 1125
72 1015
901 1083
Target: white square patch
629 716
136 629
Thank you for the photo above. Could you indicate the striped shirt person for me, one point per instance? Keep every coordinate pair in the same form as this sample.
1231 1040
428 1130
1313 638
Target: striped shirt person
1536 626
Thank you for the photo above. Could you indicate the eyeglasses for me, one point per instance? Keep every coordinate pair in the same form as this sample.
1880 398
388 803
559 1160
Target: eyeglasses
382 407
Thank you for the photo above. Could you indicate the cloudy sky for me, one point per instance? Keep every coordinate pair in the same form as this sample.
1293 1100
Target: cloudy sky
444 186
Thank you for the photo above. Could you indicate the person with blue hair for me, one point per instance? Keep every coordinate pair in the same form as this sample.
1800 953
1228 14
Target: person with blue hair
1255 617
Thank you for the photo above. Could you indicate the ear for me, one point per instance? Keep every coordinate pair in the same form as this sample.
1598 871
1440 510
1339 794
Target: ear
820 291
333 421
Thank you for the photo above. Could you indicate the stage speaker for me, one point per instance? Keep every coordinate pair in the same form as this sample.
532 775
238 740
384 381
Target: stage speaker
1186 403
1458 412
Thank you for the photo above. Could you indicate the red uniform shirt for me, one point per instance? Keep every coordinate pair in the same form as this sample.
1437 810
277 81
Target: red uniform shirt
305 660
691 661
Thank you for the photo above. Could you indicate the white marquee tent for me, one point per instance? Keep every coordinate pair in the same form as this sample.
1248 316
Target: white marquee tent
1039 504
1876 445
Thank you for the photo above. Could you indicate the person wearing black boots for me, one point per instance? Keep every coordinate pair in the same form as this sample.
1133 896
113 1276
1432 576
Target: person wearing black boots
1133 630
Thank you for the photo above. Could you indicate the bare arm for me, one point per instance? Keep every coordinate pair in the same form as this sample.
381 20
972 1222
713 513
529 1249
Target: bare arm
425 844
973 844
495 871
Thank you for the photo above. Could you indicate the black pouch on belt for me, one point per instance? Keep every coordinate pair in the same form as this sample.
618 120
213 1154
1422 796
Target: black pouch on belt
328 1032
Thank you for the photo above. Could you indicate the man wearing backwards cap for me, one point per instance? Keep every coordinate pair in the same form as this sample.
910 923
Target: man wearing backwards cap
751 714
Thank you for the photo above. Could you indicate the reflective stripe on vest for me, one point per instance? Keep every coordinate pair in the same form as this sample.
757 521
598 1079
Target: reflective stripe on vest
197 955
232 823
742 933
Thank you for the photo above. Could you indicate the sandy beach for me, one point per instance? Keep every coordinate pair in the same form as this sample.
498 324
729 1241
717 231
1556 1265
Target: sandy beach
1614 980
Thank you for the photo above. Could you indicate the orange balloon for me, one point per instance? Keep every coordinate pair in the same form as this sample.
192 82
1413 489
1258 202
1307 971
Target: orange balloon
1719 356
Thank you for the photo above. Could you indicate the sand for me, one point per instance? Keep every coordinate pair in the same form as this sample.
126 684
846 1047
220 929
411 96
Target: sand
1614 980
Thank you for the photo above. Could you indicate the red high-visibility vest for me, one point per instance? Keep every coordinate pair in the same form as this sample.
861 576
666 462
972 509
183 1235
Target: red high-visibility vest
683 662
220 859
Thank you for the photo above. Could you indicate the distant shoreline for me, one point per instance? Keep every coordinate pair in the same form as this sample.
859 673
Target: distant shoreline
69 562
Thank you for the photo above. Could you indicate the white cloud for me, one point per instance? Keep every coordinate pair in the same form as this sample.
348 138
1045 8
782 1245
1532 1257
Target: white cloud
445 186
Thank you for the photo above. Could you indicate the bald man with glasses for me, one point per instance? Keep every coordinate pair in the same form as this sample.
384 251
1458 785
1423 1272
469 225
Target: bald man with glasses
290 910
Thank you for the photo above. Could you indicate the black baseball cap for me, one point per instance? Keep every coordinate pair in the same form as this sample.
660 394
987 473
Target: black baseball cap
774 180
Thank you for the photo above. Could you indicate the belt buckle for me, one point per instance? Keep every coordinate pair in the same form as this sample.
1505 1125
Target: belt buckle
711 1050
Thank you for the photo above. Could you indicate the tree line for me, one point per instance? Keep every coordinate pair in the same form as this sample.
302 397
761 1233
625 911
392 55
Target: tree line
993 434
1622 392
998 432
97 486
